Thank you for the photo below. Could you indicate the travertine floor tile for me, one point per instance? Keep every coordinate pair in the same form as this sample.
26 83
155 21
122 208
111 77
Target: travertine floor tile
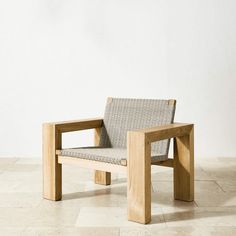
208 199
219 170
209 186
53 217
90 209
22 200
101 231
26 185
207 216
70 231
15 217
134 231
30 161
227 185
163 195
111 217
194 231
5 163
12 231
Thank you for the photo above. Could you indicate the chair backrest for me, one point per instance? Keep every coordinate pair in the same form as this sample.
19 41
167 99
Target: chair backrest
125 114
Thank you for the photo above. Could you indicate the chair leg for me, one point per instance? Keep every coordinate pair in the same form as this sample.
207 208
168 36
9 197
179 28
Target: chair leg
102 177
139 178
52 171
184 167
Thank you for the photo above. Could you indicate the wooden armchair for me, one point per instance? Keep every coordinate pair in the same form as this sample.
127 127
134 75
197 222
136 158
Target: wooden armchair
134 134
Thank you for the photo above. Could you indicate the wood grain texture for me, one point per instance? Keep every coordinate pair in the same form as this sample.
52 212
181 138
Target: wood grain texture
184 167
139 178
97 136
100 177
93 165
166 131
76 125
52 171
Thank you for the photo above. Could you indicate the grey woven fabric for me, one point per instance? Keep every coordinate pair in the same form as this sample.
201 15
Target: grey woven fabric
123 115
116 156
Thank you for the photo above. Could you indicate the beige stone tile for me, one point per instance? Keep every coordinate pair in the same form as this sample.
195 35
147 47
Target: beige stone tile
219 231
99 195
207 199
22 206
75 174
162 173
5 163
90 195
24 169
231 160
200 174
165 202
23 200
70 231
219 170
78 199
26 185
163 186
110 217
53 217
200 186
101 231
194 231
12 231
209 193
134 231
163 195
22 173
70 188
30 161
207 216
15 217
21 178
145 230
4 160
209 186
227 186
177 231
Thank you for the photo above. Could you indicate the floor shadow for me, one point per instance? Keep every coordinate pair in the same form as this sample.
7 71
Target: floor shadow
86 194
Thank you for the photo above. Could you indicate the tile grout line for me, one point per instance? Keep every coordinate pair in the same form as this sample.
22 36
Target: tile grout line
219 186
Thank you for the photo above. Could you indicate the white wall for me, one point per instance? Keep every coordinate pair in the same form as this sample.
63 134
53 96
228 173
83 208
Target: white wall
60 59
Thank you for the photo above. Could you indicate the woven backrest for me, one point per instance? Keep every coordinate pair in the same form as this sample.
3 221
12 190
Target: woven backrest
124 114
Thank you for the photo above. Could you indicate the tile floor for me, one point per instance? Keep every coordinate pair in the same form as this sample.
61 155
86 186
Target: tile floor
89 209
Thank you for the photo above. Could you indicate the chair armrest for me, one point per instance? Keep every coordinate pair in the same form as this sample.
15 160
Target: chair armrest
75 125
158 133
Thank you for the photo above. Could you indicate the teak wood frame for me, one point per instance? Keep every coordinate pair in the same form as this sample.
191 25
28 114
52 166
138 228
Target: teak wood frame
138 165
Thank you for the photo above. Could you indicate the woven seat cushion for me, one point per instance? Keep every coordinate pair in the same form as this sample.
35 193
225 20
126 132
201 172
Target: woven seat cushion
116 156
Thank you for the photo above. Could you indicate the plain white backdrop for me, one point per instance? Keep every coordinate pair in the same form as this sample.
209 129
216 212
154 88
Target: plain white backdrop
60 59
